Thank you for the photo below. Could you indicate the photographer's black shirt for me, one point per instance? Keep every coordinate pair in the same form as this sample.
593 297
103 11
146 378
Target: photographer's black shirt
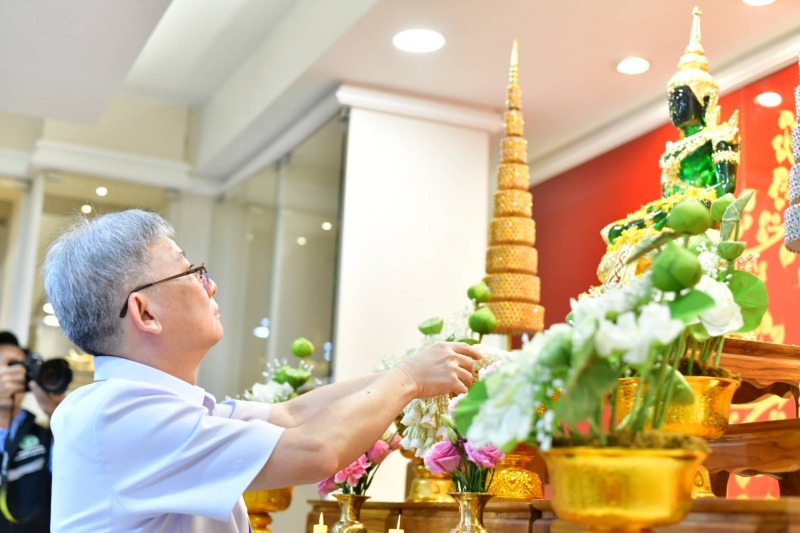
29 478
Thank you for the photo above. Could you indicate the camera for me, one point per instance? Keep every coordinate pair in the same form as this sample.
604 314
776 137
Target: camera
52 375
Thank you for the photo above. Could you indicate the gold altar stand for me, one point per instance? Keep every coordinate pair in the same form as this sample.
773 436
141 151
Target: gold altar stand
379 517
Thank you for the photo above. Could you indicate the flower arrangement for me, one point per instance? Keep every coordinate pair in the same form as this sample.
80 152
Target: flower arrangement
425 421
561 386
285 381
357 477
470 468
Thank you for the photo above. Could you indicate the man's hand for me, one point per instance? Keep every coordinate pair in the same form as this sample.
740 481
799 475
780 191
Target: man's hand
12 381
442 368
48 402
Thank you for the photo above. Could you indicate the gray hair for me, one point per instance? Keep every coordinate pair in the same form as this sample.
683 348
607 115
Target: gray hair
90 269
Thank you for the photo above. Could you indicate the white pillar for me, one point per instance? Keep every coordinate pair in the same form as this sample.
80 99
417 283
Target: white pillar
26 269
415 220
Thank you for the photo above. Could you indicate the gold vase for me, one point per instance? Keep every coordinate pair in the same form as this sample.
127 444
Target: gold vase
621 489
706 417
260 503
427 487
514 481
349 513
470 508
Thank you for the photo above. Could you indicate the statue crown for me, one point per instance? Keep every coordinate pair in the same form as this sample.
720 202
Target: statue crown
693 67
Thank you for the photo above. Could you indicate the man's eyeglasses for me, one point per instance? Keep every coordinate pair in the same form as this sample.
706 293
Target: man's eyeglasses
202 275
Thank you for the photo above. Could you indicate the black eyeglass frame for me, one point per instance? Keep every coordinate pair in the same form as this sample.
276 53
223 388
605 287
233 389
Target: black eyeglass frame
202 268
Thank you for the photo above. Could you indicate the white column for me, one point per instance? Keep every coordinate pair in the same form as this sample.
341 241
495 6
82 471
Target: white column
25 270
415 220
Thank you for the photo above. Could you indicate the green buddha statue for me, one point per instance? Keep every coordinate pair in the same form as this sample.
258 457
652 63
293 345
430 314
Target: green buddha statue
703 163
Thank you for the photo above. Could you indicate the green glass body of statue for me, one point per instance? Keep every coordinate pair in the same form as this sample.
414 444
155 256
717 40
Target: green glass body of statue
706 157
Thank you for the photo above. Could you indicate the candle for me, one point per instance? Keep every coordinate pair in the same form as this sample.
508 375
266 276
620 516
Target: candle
321 527
397 529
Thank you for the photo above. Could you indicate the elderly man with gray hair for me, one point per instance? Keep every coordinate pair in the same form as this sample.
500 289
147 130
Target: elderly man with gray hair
144 448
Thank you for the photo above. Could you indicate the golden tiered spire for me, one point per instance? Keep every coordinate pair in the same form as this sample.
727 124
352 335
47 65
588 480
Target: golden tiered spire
511 259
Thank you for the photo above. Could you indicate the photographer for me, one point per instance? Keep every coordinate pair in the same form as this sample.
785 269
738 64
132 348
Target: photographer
27 444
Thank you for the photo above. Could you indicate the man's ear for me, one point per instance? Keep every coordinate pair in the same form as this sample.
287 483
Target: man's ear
143 316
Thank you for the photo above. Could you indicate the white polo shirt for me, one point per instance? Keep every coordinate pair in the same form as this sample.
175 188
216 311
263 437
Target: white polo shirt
140 450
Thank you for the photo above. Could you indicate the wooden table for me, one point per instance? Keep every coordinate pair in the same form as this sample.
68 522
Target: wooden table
707 516
762 447
713 515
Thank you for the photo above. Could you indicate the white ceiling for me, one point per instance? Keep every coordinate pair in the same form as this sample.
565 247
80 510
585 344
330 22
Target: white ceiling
252 67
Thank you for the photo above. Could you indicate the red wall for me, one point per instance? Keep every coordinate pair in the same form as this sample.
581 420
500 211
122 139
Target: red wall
572 208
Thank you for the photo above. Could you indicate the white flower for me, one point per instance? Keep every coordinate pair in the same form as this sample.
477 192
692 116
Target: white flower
709 262
635 336
270 392
726 316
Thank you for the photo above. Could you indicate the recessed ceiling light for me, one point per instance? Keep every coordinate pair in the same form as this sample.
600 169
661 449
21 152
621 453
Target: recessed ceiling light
418 41
633 65
48 308
327 226
101 191
86 208
758 3
50 320
301 241
769 99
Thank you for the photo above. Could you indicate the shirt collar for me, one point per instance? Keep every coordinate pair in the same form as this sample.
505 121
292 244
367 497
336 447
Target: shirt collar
110 367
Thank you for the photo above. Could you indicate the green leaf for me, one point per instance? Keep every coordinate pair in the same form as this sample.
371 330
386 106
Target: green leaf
586 390
733 214
689 306
469 406
698 332
652 243
750 294
681 391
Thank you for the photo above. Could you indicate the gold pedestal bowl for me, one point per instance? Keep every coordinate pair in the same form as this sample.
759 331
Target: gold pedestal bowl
260 503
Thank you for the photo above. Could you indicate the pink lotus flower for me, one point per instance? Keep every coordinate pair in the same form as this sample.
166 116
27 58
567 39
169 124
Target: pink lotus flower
352 473
487 457
442 458
326 486
394 442
379 451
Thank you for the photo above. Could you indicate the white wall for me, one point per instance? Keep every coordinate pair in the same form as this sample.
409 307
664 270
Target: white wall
414 238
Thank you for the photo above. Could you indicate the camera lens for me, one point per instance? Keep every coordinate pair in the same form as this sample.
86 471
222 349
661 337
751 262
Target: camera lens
54 376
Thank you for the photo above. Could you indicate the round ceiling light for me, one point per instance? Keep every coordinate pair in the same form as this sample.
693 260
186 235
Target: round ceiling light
101 191
418 41
758 3
633 65
86 209
769 99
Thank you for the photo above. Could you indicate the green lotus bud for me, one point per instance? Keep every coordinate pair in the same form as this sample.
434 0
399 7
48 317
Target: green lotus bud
689 216
432 326
730 250
482 321
675 269
295 377
302 347
720 205
467 340
479 292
